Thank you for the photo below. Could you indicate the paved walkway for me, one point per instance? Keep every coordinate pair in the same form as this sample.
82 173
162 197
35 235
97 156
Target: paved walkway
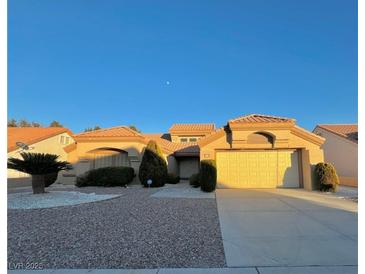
182 190
287 227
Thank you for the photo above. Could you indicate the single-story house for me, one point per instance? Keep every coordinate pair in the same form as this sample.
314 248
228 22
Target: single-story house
252 151
38 139
340 149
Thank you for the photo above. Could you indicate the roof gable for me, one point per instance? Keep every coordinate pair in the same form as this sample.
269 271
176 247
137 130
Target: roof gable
32 135
260 118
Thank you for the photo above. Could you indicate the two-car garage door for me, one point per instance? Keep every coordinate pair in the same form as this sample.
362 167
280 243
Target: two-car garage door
257 169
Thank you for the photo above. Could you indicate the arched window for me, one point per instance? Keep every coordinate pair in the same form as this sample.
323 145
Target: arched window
260 138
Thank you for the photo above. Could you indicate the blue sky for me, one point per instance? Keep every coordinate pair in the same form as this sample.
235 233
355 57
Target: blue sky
154 63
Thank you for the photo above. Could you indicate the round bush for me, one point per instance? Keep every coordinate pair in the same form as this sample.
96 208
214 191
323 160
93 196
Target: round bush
153 166
208 175
194 180
326 175
172 179
106 176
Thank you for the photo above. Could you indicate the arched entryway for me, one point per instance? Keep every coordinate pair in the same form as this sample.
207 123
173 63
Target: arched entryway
108 157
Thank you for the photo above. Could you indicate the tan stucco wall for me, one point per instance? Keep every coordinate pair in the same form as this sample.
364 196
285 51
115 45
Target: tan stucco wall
309 152
81 158
343 154
51 145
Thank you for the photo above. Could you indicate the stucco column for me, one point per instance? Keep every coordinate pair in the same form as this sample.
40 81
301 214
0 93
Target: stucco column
306 170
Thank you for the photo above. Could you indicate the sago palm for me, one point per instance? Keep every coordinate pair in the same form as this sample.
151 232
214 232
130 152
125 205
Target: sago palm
40 166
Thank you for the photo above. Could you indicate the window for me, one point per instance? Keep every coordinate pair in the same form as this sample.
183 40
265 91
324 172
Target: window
183 140
193 139
62 140
67 140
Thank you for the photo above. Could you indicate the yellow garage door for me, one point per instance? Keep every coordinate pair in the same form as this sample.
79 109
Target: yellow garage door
257 169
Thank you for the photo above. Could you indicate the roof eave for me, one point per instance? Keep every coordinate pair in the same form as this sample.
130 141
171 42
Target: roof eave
110 139
190 132
305 134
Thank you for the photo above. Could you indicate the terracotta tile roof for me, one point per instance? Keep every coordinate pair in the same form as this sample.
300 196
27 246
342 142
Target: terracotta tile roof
188 149
348 131
119 131
259 118
31 135
179 149
192 128
211 136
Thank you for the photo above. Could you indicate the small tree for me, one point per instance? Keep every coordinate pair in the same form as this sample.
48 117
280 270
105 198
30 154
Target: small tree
35 124
55 124
208 175
12 123
326 175
41 166
91 129
153 166
134 128
24 123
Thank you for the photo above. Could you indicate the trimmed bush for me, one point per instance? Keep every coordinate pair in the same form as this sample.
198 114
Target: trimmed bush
326 176
106 176
208 175
194 180
172 179
153 166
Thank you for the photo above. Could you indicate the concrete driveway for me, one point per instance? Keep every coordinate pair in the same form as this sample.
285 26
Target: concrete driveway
287 227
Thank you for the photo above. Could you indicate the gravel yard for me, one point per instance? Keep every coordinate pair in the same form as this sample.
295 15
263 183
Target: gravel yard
134 230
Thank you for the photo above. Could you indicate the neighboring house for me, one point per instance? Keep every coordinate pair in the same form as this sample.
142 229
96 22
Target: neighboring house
252 151
340 149
44 140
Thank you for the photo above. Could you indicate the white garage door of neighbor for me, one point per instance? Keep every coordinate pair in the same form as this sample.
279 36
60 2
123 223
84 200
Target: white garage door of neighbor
258 169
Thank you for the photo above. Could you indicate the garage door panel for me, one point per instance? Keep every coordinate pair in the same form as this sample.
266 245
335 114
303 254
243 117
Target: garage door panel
257 169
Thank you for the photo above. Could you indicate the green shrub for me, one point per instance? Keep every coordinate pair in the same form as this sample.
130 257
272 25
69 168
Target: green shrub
153 166
172 179
326 177
208 175
194 180
106 176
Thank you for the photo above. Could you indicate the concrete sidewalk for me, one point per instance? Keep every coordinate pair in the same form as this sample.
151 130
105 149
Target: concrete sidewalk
249 270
